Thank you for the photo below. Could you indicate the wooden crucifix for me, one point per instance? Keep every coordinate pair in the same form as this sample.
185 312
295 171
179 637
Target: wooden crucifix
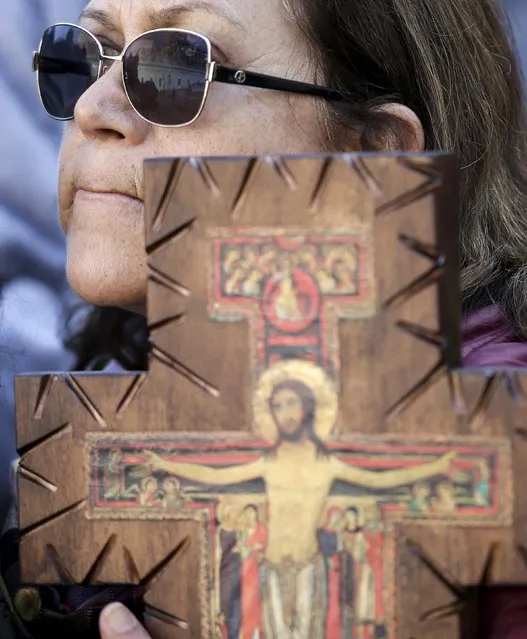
304 458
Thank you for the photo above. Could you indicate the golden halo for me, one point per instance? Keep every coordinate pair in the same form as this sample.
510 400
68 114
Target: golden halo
314 378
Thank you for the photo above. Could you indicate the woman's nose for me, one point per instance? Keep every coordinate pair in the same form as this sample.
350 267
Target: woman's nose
104 112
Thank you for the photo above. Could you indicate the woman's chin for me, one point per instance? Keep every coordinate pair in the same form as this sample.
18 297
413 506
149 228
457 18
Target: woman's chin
106 262
106 281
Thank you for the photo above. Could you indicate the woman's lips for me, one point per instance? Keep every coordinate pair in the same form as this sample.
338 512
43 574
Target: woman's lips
105 213
85 193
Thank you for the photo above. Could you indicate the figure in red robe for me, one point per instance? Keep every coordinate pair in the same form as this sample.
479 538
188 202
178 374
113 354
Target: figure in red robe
375 540
252 549
329 540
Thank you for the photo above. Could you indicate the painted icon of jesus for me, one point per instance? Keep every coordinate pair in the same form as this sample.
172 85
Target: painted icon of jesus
296 405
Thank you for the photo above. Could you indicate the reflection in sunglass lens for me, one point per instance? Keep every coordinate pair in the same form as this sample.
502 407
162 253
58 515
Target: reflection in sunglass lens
68 66
164 75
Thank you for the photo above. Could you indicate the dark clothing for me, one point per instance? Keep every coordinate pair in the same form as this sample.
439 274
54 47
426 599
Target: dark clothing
59 617
230 583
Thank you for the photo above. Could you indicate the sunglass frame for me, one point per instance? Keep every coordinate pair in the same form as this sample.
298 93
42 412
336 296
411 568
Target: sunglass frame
109 60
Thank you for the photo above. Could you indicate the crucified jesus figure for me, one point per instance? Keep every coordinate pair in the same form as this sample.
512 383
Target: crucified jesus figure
298 473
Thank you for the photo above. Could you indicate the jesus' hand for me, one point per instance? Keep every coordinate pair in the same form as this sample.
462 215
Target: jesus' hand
445 463
155 461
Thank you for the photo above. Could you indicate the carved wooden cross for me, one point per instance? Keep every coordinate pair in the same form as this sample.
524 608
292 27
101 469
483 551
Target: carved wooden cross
302 441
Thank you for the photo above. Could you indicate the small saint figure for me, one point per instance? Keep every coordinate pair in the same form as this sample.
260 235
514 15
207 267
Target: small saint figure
172 495
445 498
420 498
481 483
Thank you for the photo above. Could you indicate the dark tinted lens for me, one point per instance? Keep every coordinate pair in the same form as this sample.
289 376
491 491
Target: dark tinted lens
68 65
164 74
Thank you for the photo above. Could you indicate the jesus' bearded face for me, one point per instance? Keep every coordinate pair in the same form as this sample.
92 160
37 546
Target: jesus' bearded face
292 406
288 412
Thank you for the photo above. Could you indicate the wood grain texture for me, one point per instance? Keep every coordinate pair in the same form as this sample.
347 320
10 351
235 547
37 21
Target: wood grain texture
337 273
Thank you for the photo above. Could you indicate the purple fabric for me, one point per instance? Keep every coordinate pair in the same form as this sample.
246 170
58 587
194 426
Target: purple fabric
488 341
114 367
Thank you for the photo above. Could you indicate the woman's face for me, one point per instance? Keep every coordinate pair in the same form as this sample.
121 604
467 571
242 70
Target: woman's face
101 186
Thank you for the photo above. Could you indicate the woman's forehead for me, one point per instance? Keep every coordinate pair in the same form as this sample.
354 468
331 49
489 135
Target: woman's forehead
125 15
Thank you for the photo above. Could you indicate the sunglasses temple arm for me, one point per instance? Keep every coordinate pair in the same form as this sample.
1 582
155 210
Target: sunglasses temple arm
241 77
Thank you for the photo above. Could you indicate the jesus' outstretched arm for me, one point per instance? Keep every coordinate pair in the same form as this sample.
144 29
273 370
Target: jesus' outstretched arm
207 474
390 478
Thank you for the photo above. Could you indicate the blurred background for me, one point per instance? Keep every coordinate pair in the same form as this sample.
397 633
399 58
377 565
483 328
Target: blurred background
517 10
33 293
35 296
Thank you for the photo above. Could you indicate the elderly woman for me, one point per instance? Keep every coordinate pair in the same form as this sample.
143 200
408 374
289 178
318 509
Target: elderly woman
285 76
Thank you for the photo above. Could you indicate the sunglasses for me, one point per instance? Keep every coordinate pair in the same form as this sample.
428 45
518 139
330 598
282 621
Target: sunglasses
166 73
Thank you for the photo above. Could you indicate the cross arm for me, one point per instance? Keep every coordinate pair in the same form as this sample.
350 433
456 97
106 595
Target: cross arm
390 478
208 474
